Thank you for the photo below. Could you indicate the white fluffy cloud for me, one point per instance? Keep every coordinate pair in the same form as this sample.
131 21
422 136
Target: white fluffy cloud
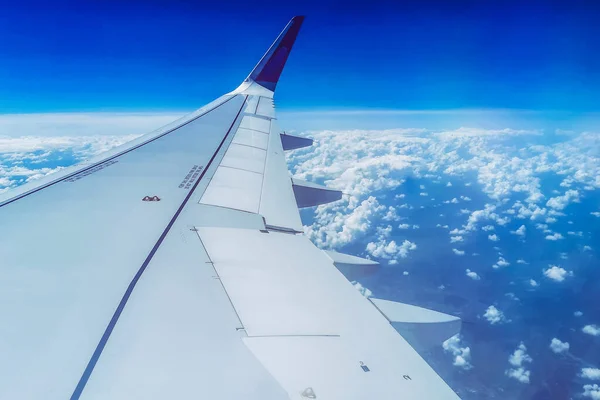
560 202
591 391
461 354
521 231
593 330
389 250
557 273
494 316
359 162
473 275
533 283
591 373
518 360
458 252
363 290
554 237
501 263
493 237
559 347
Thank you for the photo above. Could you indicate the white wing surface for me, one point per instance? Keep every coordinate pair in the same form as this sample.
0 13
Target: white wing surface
175 267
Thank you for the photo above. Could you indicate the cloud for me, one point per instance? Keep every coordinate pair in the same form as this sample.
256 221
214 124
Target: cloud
518 360
593 330
340 228
556 236
493 238
533 283
578 314
458 252
494 316
591 373
596 213
559 347
363 290
473 275
591 391
520 232
488 228
456 239
389 250
501 263
557 273
560 202
461 354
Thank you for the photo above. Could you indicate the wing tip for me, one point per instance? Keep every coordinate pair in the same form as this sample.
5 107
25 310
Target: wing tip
269 68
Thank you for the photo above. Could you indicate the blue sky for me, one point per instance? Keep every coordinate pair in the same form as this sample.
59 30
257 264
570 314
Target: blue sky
396 55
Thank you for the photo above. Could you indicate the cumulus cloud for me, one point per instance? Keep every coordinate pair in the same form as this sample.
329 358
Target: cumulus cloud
591 391
359 162
461 354
472 274
578 314
560 202
493 238
533 283
363 290
501 263
519 360
346 223
456 239
520 231
389 250
554 237
559 347
494 316
557 273
593 330
590 373
458 252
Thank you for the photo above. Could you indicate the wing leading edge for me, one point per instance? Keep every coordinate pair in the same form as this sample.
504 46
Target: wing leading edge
211 292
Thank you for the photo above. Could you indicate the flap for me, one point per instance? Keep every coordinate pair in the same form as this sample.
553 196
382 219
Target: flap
309 194
421 327
292 142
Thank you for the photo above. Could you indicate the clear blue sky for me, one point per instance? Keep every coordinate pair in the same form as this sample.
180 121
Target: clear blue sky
172 55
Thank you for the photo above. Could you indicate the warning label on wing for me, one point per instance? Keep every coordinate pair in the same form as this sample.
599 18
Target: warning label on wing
90 171
191 177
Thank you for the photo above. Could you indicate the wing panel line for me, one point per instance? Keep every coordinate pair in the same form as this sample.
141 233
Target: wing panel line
32 191
115 318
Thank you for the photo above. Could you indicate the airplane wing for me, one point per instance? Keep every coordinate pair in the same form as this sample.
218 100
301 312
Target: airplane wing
175 267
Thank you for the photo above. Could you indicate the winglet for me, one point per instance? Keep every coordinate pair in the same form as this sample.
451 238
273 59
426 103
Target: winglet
268 70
